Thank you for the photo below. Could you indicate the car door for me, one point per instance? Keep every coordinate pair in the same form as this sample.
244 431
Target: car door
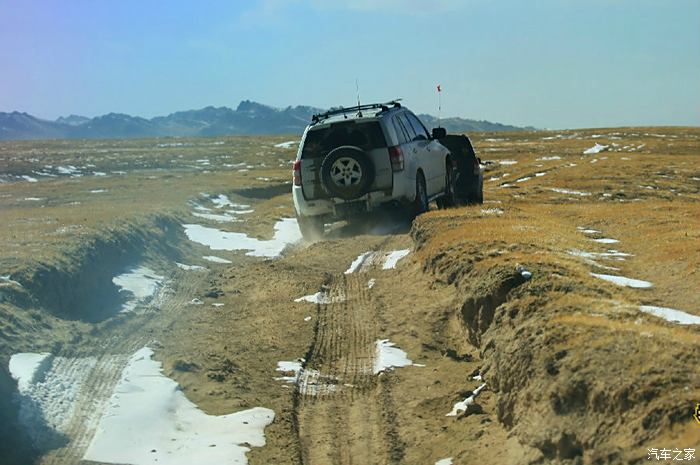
433 156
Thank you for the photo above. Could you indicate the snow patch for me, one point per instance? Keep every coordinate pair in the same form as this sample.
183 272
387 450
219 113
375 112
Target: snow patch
309 382
286 232
357 263
606 240
507 162
461 407
611 253
393 257
388 356
69 169
182 266
365 260
672 315
222 218
321 297
48 389
569 192
8 280
221 201
597 148
215 259
289 367
587 230
28 178
622 281
24 368
491 211
149 421
137 285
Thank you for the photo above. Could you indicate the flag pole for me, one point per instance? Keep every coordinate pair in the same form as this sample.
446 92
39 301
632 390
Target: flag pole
439 90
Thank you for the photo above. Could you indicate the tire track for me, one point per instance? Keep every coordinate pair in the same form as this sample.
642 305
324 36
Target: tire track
115 343
89 406
342 411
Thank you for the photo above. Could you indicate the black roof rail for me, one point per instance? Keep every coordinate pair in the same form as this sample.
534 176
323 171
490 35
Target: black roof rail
357 108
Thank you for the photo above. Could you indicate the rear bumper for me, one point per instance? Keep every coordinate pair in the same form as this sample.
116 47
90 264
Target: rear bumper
338 209
303 207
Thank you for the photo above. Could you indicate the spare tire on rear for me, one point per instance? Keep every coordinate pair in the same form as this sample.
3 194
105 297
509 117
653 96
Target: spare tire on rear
347 172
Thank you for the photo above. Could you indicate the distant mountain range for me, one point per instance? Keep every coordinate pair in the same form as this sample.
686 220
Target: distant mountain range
249 118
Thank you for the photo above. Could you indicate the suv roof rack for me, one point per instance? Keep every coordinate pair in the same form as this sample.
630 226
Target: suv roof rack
357 108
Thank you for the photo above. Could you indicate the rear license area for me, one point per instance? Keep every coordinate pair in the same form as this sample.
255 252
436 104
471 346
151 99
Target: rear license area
346 209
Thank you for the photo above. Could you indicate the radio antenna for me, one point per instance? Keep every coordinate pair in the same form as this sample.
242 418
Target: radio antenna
357 89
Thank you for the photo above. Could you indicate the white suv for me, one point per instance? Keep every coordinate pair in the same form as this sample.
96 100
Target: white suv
354 160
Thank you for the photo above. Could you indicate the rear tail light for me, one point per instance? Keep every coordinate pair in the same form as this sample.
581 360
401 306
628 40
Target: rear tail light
396 158
476 166
297 173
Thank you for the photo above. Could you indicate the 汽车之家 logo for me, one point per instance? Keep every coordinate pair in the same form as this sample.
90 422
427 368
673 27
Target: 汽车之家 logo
696 414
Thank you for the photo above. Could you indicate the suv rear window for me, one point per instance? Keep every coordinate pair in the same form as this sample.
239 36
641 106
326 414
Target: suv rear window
365 135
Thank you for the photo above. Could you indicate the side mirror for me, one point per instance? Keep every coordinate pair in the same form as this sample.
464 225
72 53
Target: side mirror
439 133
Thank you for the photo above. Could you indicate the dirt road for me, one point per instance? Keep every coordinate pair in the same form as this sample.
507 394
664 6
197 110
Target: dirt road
344 405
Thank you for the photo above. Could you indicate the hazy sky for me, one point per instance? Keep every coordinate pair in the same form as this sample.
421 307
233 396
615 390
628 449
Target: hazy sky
549 63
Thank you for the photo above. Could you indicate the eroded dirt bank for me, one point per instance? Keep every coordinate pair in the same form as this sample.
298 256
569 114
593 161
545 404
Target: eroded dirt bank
580 374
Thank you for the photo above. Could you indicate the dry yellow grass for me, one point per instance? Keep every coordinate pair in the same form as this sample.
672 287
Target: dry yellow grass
142 179
579 370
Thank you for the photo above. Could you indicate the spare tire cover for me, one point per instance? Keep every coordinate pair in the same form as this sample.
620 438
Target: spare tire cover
347 172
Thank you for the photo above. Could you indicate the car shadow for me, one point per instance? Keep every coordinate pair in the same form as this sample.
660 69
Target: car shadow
383 222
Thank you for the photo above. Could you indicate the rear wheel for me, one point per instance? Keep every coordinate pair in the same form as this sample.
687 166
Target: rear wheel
448 198
311 227
420 204
476 194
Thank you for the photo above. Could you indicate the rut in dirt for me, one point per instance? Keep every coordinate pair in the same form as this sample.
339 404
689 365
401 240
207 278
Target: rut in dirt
94 368
343 408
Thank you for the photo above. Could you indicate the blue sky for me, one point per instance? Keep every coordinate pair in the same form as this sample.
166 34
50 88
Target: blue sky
548 63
